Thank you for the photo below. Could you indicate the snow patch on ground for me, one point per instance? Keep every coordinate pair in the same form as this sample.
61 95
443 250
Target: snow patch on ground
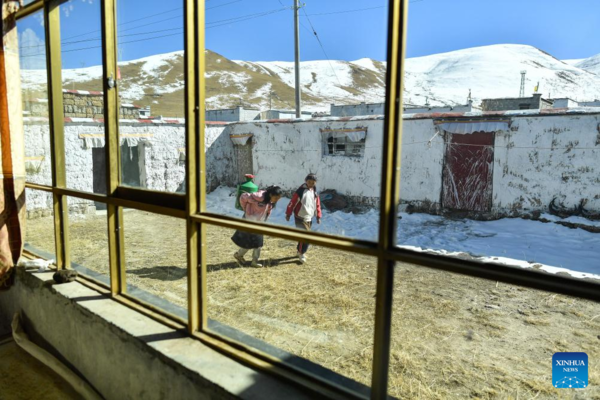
511 241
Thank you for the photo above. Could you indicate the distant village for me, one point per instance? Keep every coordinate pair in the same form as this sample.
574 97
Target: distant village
88 104
507 156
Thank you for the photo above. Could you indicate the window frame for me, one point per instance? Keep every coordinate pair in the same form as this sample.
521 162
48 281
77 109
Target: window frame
192 205
332 139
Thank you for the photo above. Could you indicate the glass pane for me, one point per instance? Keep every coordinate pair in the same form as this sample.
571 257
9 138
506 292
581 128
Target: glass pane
83 99
34 80
341 76
494 165
151 90
155 259
318 315
39 227
456 337
88 239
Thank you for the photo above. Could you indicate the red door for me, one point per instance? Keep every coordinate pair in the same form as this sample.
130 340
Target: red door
468 168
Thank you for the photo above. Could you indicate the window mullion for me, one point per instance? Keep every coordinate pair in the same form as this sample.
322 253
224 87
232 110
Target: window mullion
56 122
191 30
390 185
114 213
201 158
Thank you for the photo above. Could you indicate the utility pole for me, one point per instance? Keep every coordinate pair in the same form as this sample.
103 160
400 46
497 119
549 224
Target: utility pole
522 90
297 57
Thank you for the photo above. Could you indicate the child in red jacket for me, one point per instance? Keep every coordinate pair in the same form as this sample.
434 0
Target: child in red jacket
305 205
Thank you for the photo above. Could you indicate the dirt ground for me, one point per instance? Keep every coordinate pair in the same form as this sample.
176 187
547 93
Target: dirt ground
453 336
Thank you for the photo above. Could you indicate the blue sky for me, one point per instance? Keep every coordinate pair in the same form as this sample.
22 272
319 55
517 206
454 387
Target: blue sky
348 29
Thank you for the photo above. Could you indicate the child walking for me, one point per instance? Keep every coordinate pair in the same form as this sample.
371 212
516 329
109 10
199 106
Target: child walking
257 207
305 205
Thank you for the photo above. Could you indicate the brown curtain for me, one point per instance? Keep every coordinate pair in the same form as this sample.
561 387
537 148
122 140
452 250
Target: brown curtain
12 175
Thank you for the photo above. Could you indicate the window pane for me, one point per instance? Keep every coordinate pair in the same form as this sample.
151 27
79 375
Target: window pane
155 259
39 227
151 92
88 239
252 127
83 99
481 178
32 58
313 315
457 337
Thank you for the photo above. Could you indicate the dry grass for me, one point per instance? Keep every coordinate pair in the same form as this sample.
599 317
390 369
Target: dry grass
453 336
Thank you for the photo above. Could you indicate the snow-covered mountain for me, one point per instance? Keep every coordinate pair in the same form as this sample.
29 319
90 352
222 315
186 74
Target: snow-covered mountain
492 72
442 79
591 64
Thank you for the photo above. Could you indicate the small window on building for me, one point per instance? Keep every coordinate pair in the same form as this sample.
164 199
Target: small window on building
523 106
344 142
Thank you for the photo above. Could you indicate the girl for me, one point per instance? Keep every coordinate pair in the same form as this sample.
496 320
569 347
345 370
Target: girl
257 207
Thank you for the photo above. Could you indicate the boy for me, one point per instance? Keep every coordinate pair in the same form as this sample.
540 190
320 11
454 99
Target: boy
305 204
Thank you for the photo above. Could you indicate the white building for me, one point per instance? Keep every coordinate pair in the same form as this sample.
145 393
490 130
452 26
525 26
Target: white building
354 110
570 103
233 114
284 114
521 160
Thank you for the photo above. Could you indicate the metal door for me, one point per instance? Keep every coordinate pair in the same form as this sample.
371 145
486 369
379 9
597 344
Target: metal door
468 168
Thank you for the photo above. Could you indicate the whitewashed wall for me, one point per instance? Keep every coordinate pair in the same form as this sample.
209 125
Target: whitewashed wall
161 150
544 157
284 153
422 164
540 158
351 110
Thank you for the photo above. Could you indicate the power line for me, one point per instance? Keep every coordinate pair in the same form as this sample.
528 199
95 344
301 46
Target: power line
355 10
129 22
217 24
214 23
224 4
327 57
148 24
98 47
322 48
162 13
344 11
98 39
228 21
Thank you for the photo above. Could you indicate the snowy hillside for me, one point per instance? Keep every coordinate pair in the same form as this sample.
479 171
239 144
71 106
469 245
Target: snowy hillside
441 79
494 71
591 64
332 81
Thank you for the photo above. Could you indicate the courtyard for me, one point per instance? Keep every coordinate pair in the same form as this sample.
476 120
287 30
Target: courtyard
453 336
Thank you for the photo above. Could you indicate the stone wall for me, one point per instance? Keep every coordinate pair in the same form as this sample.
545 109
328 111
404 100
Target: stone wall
80 104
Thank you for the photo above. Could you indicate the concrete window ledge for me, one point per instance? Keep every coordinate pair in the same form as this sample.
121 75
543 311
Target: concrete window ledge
124 354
